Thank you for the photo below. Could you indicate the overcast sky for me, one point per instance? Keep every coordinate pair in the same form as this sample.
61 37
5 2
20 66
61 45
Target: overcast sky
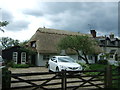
26 16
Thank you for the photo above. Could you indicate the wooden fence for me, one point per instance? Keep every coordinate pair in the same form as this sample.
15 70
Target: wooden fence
63 80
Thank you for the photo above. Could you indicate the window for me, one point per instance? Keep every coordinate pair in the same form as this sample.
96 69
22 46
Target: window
15 56
23 57
111 56
90 57
33 44
46 57
112 52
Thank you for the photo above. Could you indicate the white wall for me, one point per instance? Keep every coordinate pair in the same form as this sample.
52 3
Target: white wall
108 49
82 61
74 57
40 61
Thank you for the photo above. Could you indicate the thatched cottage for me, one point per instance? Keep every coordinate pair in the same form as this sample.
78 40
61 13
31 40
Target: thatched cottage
45 41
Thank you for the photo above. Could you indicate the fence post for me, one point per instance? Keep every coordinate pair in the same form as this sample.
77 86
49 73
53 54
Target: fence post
108 77
63 79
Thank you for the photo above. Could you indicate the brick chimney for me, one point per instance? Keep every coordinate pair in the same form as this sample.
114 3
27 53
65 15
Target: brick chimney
93 32
111 35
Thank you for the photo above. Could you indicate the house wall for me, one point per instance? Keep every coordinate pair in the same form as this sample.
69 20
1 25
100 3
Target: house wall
41 62
74 56
89 60
108 49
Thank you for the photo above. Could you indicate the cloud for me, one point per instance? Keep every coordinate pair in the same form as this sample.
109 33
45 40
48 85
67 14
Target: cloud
77 16
17 25
36 13
72 16
6 15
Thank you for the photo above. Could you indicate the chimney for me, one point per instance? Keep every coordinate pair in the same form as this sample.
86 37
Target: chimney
111 35
93 32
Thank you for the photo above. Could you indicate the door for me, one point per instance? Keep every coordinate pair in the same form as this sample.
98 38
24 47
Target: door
23 58
53 64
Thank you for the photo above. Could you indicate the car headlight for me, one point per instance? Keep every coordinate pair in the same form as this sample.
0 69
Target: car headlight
62 67
80 68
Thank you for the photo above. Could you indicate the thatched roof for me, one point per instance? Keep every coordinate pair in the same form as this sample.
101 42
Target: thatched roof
47 40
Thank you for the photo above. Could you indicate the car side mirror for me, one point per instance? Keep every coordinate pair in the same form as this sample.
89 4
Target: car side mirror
55 61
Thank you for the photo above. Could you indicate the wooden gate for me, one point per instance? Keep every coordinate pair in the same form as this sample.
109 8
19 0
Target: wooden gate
58 80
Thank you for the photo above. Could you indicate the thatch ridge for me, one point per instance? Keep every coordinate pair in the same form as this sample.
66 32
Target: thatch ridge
60 32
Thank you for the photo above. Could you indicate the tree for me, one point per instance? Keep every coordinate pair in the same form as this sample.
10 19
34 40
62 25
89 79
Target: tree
2 24
8 42
83 45
23 43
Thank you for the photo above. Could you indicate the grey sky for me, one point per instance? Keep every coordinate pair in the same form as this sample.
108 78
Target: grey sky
72 16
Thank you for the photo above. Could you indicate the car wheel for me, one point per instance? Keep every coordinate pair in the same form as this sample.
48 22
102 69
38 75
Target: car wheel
50 70
58 74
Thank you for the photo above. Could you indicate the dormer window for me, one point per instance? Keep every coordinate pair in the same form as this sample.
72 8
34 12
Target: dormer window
33 44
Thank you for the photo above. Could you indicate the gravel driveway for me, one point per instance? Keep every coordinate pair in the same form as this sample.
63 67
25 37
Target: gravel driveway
28 70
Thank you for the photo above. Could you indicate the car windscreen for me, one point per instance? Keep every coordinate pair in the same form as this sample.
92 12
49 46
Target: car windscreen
66 59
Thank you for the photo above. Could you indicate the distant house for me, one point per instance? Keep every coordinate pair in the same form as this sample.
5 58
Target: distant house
45 42
108 44
18 55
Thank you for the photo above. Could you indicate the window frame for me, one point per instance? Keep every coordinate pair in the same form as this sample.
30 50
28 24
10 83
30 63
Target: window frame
23 58
15 57
46 57
90 57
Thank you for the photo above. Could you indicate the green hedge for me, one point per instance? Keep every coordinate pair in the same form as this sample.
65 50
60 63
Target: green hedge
20 66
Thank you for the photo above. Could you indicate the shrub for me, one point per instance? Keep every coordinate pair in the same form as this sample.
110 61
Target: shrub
85 66
31 65
97 67
47 65
104 62
9 63
20 66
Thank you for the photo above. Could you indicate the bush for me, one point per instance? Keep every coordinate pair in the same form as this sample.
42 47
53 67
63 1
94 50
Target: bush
9 63
85 66
104 62
97 67
20 66
31 65
47 65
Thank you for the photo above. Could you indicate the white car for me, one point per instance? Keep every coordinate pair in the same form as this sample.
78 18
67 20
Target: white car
59 63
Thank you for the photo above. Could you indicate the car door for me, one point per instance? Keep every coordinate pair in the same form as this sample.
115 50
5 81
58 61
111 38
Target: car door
53 64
